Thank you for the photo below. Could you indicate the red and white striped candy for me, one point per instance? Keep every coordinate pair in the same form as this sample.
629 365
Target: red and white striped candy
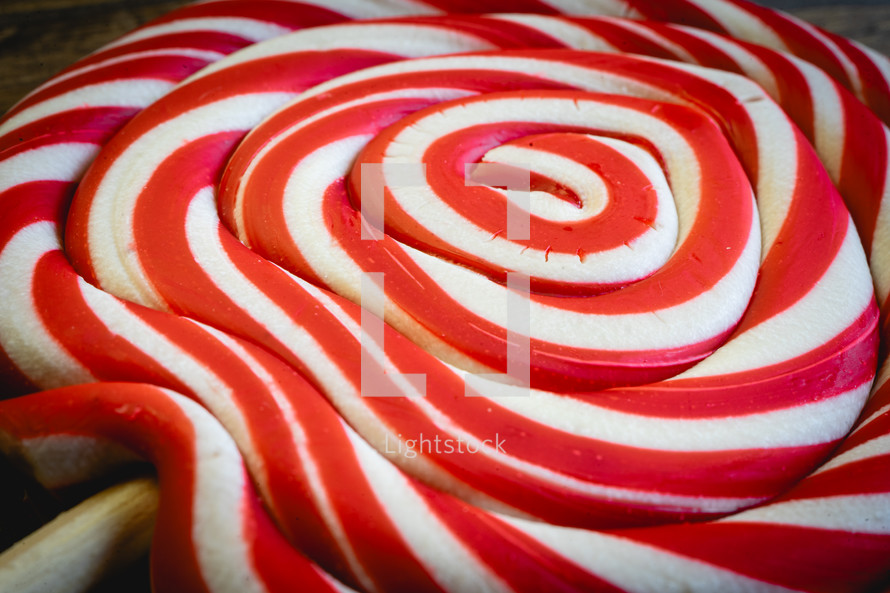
701 312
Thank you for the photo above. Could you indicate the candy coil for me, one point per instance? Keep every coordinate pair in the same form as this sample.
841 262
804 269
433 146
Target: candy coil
632 262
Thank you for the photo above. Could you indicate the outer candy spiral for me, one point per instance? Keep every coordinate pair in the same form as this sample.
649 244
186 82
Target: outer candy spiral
698 296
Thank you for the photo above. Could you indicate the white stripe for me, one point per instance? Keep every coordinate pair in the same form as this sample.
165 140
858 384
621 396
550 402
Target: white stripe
116 264
875 447
406 40
797 426
218 505
214 392
116 61
54 162
174 52
128 92
714 311
776 148
314 482
856 513
642 257
587 184
618 8
741 24
586 78
362 9
642 30
26 340
202 230
880 245
450 563
846 63
638 567
829 128
249 29
833 304
303 212
752 66
561 30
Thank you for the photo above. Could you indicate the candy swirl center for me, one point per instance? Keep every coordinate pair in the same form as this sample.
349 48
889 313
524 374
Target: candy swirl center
595 200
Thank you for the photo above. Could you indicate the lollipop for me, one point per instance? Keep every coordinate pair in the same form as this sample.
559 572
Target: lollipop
514 301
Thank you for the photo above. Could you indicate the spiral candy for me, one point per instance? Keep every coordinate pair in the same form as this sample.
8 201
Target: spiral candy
632 272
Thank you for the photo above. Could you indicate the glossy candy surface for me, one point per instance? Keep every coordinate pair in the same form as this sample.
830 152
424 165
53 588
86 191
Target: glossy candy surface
634 277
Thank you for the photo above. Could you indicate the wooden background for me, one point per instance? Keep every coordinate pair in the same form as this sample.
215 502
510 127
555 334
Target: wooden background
40 37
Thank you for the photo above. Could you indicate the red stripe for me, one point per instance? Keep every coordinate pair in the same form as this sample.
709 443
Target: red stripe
843 363
553 366
32 202
377 542
681 12
626 39
500 32
146 421
875 85
630 211
215 41
491 6
72 322
88 124
159 223
799 41
754 473
795 96
695 44
811 235
864 170
521 561
665 287
292 15
165 68
854 478
809 559
279 566
870 426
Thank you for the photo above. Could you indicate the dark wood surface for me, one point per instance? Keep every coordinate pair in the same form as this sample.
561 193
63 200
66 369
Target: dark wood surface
40 37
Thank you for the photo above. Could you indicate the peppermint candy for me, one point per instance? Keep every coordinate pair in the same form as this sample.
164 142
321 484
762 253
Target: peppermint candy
579 301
